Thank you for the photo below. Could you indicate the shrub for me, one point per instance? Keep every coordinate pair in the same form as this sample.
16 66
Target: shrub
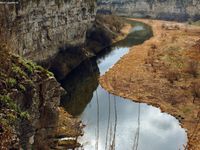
11 82
24 115
174 39
22 87
177 27
18 71
172 75
112 21
197 45
163 26
6 101
150 60
150 54
28 68
153 46
192 68
196 90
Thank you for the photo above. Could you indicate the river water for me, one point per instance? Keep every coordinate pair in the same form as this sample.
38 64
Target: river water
113 122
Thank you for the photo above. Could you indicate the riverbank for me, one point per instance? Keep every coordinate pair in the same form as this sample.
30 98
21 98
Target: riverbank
163 72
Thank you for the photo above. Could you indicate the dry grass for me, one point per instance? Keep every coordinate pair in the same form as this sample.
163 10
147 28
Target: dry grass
196 46
195 87
150 54
113 22
170 26
153 47
170 86
192 68
172 75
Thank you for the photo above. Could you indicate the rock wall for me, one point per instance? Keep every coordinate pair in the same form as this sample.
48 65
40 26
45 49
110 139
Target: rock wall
42 103
38 28
30 116
180 10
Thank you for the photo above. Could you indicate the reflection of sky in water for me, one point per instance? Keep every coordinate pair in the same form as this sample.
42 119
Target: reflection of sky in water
114 56
157 131
138 28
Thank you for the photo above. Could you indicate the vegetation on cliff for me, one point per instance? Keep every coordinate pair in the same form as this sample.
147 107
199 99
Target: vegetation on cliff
106 30
16 76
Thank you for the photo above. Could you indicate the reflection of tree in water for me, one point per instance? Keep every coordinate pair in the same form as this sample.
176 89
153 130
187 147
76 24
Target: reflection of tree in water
80 85
97 129
115 125
111 130
137 135
108 125
135 38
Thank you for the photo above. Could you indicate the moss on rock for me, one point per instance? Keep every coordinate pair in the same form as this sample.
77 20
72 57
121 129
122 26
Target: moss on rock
17 75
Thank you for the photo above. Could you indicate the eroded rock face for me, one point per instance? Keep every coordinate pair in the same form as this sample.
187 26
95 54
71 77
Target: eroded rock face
41 101
180 10
40 27
32 100
48 123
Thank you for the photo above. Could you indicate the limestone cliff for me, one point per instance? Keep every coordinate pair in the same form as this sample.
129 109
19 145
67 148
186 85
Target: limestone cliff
30 116
180 10
38 28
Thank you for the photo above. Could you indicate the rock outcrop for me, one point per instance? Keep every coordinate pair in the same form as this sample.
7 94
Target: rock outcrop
38 28
179 10
30 116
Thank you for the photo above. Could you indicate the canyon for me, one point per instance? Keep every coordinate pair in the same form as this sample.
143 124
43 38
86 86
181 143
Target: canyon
61 36
179 10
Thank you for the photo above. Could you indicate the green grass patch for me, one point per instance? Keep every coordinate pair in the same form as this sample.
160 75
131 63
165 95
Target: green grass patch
22 87
11 82
18 71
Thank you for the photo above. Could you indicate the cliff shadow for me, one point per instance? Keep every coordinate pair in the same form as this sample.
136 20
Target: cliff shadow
67 59
80 85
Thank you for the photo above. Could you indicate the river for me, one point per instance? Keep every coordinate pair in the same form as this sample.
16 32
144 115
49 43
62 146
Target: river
113 122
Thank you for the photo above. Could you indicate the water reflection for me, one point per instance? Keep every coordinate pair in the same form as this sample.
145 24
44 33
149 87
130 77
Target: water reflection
114 123
80 85
139 33
124 124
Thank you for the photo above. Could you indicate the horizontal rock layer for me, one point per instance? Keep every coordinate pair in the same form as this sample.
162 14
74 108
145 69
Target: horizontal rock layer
37 29
180 10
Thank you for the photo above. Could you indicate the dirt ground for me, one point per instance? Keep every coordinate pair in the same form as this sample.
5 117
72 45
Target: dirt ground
164 71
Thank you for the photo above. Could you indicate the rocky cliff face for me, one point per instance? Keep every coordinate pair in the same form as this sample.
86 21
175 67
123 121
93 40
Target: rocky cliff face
30 116
180 10
42 103
40 27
